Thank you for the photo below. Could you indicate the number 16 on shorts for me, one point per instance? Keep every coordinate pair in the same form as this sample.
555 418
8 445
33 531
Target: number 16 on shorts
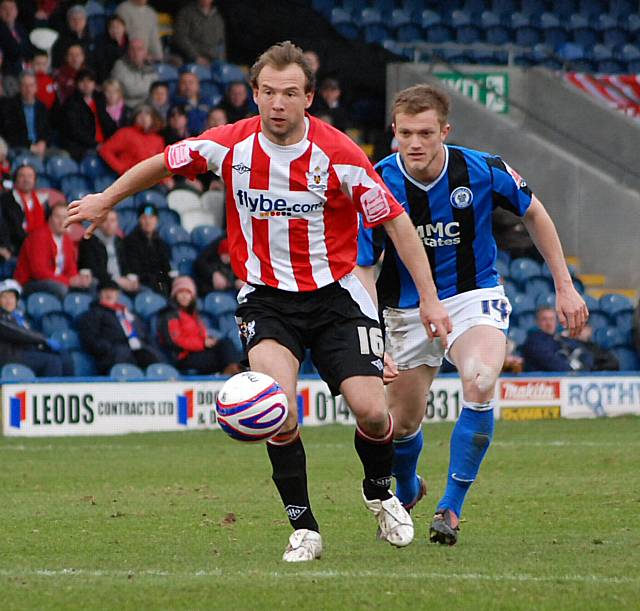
371 341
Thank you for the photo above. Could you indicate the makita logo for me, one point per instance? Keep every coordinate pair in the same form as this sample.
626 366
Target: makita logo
266 206
440 234
530 391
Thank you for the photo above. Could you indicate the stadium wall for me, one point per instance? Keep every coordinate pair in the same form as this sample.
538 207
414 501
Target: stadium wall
95 407
590 207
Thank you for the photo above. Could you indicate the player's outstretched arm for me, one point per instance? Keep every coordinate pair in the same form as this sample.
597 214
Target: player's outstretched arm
432 313
571 308
95 206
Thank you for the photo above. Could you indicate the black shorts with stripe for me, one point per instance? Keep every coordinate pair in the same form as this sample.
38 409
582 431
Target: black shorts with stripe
337 323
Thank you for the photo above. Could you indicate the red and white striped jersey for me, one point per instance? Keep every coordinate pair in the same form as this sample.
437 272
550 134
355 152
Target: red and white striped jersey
292 211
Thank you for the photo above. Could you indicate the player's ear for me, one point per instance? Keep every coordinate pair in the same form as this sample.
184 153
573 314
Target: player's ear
393 127
255 95
445 131
308 99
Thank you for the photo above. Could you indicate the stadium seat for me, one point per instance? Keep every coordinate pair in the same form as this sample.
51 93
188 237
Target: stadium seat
93 167
565 8
525 321
174 234
60 165
369 16
14 372
75 194
225 73
167 72
468 34
182 200
148 303
28 159
523 20
429 19
503 268
612 303
151 196
522 269
192 218
505 7
400 17
533 7
162 371
219 303
100 183
125 371
522 302
627 358
599 320
527 35
615 36
593 7
375 33
40 303
622 8
127 219
182 257
167 216
323 7
545 299
75 304
67 338
585 37
439 33
608 337
214 203
497 34
202 72
43 182
211 90
510 289
74 183
460 17
592 302
571 52
517 335
624 321
538 285
601 52
203 235
555 36
227 324
83 364
125 300
234 336
54 321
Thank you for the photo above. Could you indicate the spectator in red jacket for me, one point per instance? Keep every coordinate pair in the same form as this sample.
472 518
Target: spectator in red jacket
130 145
47 260
183 333
46 85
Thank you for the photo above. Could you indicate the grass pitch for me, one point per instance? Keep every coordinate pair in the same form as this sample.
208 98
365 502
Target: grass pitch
192 521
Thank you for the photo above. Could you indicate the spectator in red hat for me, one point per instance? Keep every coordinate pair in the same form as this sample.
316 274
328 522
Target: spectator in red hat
183 333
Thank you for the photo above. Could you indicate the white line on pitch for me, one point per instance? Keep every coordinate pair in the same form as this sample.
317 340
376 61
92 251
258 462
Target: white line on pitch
327 574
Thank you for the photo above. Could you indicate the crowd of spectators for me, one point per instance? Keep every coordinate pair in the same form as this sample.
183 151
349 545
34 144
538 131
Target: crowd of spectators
114 91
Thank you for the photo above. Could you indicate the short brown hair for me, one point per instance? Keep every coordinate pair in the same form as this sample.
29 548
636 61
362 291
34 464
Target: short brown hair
279 56
421 98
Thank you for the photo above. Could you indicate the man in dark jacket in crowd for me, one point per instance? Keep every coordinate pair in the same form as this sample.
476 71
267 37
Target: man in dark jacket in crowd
20 344
147 255
198 32
14 40
547 350
112 334
103 253
85 120
212 269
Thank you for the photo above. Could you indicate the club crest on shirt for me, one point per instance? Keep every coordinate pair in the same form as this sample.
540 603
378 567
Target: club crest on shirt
317 179
461 197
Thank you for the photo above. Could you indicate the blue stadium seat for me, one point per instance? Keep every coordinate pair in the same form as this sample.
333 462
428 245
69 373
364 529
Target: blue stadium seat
100 183
517 335
628 358
60 165
527 35
94 8
474 6
622 8
592 302
162 371
74 183
97 24
593 7
127 219
340 15
565 8
353 6
93 167
537 285
522 302
604 22
505 7
399 17
503 268
599 320
182 257
369 16
571 52
526 321
349 31
219 303
510 289
429 18
612 303
76 303
608 337
125 371
407 33
523 268
202 72
43 182
40 303
151 196
167 72
234 336
611 66
203 235
148 303
585 37
227 324
14 372
523 20
28 159
578 20
489 19
210 89
323 7
549 20
166 216
468 34
174 234
624 321
439 33
628 53
67 338
125 300
461 17
555 36
307 367
600 52
376 33
83 364
54 321
545 299
615 36
225 73
533 7
497 34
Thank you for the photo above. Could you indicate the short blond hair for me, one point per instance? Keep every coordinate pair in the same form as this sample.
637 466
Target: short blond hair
420 98
279 56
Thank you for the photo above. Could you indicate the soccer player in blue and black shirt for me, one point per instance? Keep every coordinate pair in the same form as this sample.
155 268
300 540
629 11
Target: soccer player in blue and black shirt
450 193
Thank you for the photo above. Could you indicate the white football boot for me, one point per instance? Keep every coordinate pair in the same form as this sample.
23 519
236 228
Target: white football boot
303 545
394 522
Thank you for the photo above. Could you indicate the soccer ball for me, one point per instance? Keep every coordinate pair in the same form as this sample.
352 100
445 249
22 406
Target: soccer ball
251 406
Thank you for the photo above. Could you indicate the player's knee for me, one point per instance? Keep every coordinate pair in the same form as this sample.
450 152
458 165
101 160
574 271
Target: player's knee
478 380
375 423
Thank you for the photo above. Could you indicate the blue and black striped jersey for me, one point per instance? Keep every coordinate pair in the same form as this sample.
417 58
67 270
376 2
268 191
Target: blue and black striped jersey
452 216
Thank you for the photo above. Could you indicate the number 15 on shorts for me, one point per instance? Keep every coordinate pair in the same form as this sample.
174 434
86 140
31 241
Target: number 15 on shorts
371 341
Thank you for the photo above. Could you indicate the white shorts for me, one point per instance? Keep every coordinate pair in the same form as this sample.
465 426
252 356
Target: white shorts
406 338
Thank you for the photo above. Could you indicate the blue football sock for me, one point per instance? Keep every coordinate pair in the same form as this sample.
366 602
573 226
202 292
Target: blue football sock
406 452
470 441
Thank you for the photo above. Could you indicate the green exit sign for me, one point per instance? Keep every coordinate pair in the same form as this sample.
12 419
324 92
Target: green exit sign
490 89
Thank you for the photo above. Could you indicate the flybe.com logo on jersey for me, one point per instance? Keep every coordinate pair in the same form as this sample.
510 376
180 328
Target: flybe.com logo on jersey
440 234
265 207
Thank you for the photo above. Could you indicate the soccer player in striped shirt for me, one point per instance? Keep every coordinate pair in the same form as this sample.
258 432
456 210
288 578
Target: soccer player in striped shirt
294 188
449 193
